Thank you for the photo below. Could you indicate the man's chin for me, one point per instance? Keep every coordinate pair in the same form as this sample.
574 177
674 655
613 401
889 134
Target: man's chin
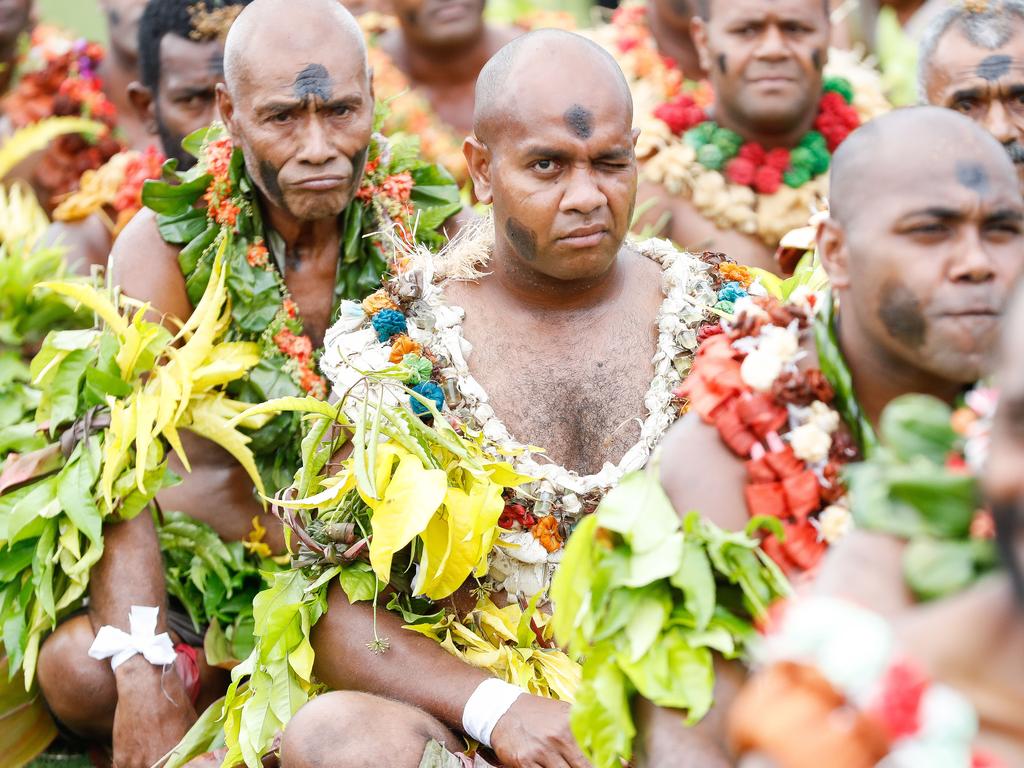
316 207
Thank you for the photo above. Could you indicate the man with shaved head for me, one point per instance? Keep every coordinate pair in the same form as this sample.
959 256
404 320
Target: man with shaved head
922 248
972 60
298 109
562 318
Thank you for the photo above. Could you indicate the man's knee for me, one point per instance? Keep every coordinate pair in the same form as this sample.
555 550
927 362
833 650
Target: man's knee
346 729
79 690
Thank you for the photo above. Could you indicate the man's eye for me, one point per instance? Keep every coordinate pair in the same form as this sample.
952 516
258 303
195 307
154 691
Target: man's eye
544 165
341 111
965 105
281 117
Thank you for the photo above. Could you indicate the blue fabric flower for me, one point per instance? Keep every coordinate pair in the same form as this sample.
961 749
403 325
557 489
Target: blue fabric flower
731 291
387 323
429 390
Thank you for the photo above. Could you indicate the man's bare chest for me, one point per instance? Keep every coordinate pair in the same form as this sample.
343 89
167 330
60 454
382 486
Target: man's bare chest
580 397
312 290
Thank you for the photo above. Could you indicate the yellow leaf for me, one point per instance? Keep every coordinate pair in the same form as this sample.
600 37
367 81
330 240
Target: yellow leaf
115 447
505 475
35 137
146 408
228 361
334 489
207 418
94 300
411 498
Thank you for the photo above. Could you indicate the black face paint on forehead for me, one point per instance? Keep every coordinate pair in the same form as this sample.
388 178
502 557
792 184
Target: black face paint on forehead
522 239
994 67
314 80
722 63
580 121
972 175
901 314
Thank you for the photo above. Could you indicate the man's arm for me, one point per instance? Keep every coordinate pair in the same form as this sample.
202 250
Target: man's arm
87 242
153 710
416 670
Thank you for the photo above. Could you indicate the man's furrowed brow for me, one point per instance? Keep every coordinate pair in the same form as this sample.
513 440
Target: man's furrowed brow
619 153
1005 216
936 212
966 93
539 150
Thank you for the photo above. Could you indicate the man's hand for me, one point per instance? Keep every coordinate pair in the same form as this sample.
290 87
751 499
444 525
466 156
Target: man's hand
535 733
153 713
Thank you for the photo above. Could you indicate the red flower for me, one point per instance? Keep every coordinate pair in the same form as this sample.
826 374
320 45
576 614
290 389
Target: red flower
218 157
312 383
899 702
707 330
516 513
767 180
681 114
299 348
753 152
146 166
778 159
741 171
398 186
290 308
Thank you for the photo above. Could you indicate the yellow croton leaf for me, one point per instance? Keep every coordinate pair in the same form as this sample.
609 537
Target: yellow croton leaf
334 490
92 299
411 498
227 361
505 475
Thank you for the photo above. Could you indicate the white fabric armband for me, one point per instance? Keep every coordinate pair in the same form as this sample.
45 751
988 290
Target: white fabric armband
491 699
119 646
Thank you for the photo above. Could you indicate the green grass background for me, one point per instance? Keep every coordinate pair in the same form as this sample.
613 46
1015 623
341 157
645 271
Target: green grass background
82 16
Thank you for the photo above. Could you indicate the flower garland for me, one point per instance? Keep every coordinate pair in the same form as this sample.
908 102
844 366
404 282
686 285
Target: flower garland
892 713
114 189
921 485
409 323
742 186
61 80
652 77
782 419
214 201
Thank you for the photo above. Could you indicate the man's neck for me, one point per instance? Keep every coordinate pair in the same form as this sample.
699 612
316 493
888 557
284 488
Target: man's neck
434 66
675 44
537 292
787 139
316 237
879 378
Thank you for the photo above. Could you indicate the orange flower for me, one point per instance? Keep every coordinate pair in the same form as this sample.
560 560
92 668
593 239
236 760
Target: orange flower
257 256
375 302
962 420
398 186
290 308
546 532
313 383
218 157
298 348
735 272
403 346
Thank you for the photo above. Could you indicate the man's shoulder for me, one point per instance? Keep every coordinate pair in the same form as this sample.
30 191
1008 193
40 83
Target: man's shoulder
145 266
698 472
87 241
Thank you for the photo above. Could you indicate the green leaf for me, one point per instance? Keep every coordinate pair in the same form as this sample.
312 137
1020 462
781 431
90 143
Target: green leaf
183 227
189 256
255 296
601 719
75 489
918 425
697 583
174 199
62 392
358 582
649 616
205 735
935 569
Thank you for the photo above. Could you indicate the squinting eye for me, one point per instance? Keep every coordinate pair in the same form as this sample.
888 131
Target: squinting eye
281 117
964 105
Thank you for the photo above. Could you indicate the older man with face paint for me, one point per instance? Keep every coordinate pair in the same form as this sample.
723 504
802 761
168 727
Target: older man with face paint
181 56
303 119
972 60
924 243
561 321
742 173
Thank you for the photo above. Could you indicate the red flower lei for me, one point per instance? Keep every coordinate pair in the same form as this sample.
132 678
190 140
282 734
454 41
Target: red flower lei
758 426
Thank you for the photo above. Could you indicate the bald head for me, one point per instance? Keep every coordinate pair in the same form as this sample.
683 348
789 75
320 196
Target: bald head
916 148
283 29
540 64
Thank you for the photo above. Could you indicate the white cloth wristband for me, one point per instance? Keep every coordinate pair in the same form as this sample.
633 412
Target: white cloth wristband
491 699
119 646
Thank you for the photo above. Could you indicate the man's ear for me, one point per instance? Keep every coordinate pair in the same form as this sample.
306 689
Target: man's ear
699 34
226 110
833 252
144 104
478 158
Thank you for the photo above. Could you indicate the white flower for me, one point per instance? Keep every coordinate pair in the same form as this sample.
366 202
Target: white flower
760 370
834 523
745 305
779 342
810 443
824 417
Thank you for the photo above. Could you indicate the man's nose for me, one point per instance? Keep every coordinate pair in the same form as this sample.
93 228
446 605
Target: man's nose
772 44
583 194
316 145
997 122
973 264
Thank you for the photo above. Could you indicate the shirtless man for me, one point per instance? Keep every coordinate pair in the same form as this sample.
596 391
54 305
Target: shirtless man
973 61
765 63
922 250
174 96
305 148
669 22
552 149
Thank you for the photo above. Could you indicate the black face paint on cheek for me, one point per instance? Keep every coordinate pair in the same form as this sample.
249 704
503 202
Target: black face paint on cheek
994 67
580 121
523 240
817 59
1008 518
901 314
268 175
314 80
972 176
114 17
722 63
359 165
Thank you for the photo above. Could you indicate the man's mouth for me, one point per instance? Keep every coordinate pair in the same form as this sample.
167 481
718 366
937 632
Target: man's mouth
322 183
585 237
450 11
